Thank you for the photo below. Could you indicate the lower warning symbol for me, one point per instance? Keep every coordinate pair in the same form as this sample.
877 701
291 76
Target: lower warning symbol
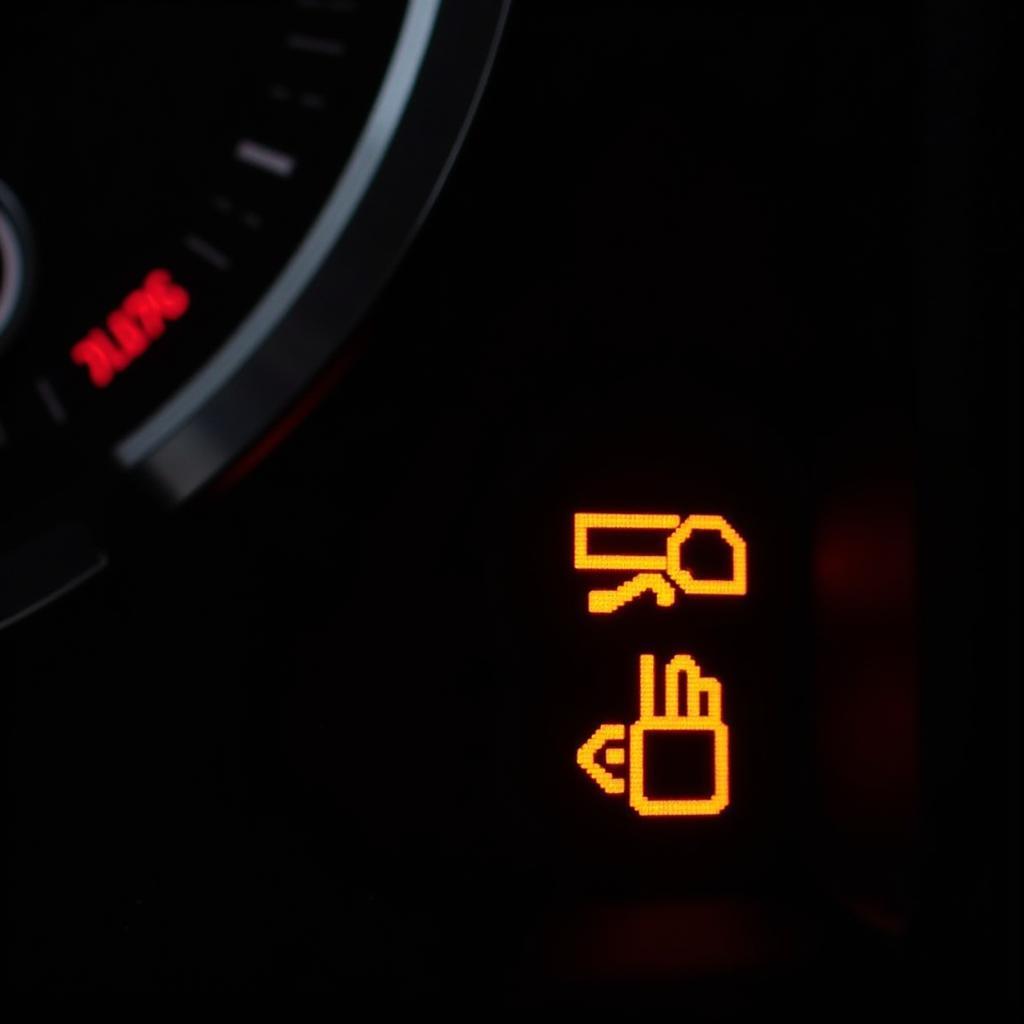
685 747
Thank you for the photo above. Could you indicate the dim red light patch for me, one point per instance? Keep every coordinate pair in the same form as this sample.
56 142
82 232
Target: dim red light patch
131 329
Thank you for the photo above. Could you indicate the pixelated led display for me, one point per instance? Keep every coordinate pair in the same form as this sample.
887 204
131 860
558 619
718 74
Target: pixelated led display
691 706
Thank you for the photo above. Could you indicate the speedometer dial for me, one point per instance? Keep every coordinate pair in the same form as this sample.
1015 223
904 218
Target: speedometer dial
171 186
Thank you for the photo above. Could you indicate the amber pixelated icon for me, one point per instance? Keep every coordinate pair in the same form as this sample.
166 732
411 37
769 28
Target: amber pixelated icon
703 713
658 572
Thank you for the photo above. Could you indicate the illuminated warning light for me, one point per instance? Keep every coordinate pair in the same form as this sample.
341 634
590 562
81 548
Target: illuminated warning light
130 329
659 569
607 747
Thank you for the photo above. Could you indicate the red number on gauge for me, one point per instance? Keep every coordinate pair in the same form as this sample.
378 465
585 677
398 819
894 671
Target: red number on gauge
131 328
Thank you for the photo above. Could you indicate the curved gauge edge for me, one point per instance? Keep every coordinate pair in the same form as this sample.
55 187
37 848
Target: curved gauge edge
265 363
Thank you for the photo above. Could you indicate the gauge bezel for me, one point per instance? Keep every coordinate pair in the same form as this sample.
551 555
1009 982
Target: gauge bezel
420 115
16 259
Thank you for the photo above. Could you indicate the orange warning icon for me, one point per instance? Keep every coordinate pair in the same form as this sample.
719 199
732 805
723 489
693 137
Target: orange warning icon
659 571
607 747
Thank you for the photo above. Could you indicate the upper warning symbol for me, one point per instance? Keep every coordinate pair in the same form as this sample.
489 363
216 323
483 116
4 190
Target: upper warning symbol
658 571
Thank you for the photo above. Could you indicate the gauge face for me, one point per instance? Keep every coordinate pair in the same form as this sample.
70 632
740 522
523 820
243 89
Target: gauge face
170 187
179 146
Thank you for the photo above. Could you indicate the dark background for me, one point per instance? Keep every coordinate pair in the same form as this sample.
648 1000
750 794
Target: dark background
316 731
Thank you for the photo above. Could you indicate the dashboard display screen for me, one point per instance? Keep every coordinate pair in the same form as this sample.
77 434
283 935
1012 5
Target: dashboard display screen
604 631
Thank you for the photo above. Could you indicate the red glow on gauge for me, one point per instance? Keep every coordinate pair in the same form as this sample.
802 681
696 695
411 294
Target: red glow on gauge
130 329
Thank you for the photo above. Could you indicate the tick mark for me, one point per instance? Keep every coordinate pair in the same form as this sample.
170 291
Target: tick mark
265 158
207 252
